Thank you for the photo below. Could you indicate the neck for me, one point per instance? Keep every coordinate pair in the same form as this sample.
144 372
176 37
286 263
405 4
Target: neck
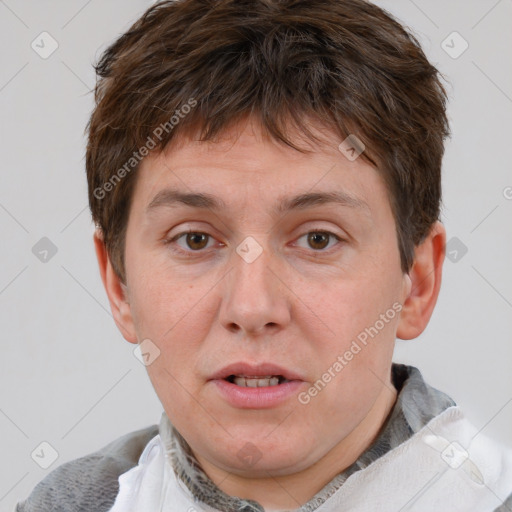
292 491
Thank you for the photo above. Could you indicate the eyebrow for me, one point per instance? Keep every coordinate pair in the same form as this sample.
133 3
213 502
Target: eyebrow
172 197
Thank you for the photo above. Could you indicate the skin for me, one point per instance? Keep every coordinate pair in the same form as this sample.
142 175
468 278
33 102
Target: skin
300 304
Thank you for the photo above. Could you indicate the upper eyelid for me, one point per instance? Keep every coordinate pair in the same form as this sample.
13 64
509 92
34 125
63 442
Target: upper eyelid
304 229
199 232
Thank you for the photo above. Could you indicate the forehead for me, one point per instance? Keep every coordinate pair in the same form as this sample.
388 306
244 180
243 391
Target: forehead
244 167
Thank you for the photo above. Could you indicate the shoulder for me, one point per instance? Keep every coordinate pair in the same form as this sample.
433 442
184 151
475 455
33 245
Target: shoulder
90 482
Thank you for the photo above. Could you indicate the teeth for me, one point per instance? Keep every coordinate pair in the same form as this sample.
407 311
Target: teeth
256 382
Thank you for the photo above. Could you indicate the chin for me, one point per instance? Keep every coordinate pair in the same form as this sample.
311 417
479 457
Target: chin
258 457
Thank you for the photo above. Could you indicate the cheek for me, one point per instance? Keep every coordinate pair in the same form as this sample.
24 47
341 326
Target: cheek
177 316
351 306
160 304
355 353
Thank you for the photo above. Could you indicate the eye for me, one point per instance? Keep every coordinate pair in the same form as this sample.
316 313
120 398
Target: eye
195 241
319 240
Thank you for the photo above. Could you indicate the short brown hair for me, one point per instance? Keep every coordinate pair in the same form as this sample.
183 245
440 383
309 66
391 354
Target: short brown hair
348 63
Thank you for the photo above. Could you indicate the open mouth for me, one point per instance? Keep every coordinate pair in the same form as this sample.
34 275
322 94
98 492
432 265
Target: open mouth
246 381
262 385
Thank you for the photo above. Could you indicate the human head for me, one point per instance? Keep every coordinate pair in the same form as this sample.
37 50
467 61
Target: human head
258 79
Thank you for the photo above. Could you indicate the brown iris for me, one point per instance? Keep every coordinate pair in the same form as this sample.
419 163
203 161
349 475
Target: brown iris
195 239
318 237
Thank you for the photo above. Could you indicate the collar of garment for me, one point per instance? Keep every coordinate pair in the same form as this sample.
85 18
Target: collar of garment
417 403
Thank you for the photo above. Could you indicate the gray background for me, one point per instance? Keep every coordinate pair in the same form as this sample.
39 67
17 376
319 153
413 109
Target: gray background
68 376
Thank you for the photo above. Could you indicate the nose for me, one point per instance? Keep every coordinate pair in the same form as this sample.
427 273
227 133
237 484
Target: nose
255 297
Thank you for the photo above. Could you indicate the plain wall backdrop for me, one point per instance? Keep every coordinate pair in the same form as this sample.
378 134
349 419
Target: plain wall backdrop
69 379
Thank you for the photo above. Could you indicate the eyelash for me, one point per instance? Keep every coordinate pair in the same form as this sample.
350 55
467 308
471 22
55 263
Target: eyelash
170 241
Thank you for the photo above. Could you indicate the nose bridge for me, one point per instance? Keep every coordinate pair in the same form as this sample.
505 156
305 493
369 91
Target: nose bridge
254 298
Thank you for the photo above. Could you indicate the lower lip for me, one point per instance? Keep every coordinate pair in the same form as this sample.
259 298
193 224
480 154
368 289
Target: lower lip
257 398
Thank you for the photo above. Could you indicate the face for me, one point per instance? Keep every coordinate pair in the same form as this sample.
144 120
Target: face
267 276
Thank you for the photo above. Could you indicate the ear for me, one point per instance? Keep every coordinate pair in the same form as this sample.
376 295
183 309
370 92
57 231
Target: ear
116 291
425 283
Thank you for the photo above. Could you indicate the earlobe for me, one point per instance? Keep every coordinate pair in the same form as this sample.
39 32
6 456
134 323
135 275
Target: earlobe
116 291
425 283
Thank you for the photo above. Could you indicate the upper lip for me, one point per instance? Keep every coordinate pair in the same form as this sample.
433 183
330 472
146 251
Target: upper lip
254 370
